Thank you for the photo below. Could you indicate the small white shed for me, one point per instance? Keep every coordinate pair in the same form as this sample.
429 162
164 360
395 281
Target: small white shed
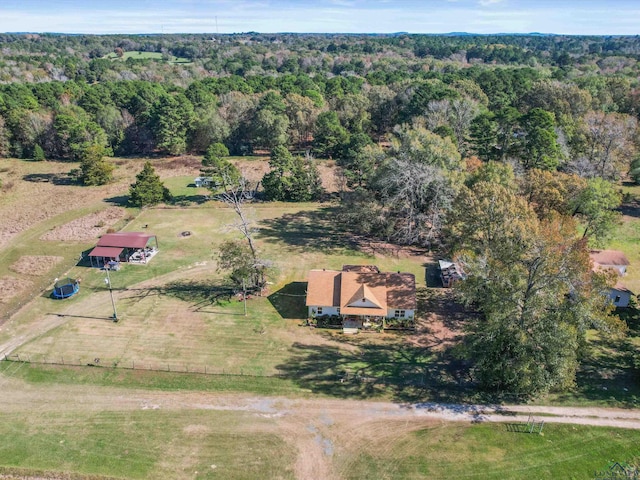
620 296
203 181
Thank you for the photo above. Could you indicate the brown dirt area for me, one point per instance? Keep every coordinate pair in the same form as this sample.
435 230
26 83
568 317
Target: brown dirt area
12 286
86 228
442 325
43 190
381 249
35 265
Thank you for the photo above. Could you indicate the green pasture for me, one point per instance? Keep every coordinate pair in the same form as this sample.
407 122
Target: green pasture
492 451
139 55
177 312
206 444
144 445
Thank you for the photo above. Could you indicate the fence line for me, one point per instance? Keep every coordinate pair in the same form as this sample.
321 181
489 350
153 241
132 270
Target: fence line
201 369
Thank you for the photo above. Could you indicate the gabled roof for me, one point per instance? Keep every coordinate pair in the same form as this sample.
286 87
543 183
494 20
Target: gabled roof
125 240
363 295
361 291
401 291
608 257
621 288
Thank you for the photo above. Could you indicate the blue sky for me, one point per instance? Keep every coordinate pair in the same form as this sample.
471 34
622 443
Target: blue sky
598 17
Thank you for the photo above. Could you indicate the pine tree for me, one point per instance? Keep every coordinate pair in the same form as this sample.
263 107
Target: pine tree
94 169
148 189
38 153
217 166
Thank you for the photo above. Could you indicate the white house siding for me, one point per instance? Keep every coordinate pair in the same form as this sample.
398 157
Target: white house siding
620 298
621 269
313 311
407 313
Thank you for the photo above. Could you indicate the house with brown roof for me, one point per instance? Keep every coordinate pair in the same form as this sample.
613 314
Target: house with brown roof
617 261
614 259
132 247
361 296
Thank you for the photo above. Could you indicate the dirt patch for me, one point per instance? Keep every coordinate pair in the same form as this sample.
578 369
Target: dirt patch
197 430
381 249
435 333
86 228
35 265
34 181
12 286
253 170
442 323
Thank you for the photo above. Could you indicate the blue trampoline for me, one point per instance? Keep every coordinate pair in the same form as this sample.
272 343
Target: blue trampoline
65 288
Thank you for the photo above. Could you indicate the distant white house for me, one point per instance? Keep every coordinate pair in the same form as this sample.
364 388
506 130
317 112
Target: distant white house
620 296
203 181
615 260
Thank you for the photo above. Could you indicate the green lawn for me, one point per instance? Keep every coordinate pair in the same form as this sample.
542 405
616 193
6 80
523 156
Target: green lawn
139 55
202 444
491 451
176 316
184 190
148 444
172 316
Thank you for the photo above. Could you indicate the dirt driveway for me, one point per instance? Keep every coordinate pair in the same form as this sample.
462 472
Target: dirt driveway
308 424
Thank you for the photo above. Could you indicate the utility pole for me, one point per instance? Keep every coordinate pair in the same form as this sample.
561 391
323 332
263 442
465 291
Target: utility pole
113 302
244 296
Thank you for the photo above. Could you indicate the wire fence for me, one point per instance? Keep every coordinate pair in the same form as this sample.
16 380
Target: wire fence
151 366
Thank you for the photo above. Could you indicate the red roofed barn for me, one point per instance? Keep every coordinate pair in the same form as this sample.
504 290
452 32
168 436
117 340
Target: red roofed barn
132 247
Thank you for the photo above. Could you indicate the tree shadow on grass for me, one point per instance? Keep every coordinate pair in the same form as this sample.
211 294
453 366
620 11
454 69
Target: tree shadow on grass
309 230
432 275
200 295
54 178
396 369
186 200
608 372
118 201
289 301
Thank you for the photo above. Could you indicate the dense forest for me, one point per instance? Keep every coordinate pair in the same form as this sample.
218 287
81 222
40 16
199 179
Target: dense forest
504 151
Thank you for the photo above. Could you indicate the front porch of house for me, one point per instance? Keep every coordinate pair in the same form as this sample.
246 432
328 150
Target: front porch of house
354 323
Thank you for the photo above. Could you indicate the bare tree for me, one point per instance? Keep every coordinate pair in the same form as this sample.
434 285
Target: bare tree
236 194
609 143
437 113
462 113
420 196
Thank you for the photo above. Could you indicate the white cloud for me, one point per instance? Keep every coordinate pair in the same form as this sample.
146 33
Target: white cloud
486 3
324 16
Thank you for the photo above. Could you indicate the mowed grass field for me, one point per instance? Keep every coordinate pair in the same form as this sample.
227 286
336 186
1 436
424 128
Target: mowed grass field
140 55
173 319
205 444
169 316
145 445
